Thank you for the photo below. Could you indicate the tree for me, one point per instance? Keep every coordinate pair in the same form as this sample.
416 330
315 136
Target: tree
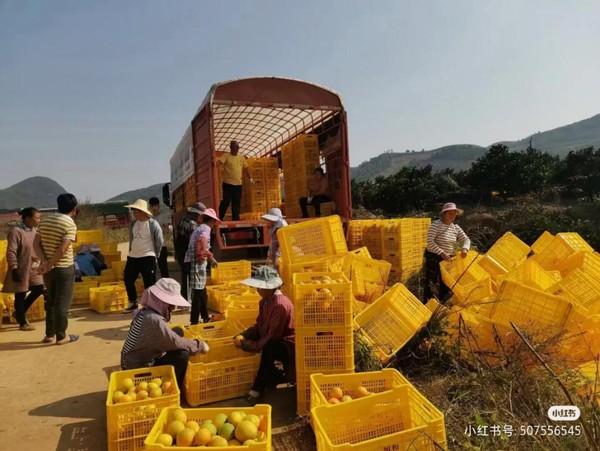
580 172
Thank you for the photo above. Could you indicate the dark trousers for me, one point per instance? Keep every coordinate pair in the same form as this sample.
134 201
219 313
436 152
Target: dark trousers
316 202
434 285
268 374
59 285
185 278
163 266
146 266
199 306
232 194
179 358
23 301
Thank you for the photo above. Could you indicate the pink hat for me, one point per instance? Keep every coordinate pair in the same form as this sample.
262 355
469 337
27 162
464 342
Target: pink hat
451 206
211 213
168 291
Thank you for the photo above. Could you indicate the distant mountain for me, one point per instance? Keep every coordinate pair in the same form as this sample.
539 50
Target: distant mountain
459 156
141 193
561 140
557 141
39 192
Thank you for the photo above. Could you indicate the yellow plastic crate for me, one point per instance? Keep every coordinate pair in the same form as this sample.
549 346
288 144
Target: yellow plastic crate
563 245
231 272
588 262
374 381
81 292
108 299
314 238
243 311
591 381
581 288
201 415
542 242
372 239
356 230
508 251
303 390
219 380
467 280
362 251
526 306
404 234
128 424
582 342
325 348
94 236
392 320
322 299
118 269
216 332
400 419
108 247
219 296
530 273
369 277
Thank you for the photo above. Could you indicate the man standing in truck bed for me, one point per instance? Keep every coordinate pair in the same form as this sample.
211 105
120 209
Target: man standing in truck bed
234 165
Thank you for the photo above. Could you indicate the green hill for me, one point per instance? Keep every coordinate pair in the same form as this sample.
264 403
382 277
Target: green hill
39 192
141 193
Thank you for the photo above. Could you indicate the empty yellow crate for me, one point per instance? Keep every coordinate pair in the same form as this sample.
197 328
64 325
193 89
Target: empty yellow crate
231 272
532 274
508 251
588 262
356 232
107 299
314 238
128 424
321 385
322 299
243 311
219 296
400 419
526 306
81 292
325 348
562 246
201 415
467 280
542 242
216 332
219 380
94 236
581 288
369 277
392 320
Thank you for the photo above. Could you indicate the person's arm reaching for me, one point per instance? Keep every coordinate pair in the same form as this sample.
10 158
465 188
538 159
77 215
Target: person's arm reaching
167 340
463 240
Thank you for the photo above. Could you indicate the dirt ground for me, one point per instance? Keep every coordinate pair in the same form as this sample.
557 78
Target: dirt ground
53 397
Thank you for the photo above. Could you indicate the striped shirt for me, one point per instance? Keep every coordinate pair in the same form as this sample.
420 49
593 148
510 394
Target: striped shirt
54 229
443 238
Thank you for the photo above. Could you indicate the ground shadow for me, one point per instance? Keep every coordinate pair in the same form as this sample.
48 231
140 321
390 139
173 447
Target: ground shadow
108 370
80 406
113 333
21 345
87 435
86 314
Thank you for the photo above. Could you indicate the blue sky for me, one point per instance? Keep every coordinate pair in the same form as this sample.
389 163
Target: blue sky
96 95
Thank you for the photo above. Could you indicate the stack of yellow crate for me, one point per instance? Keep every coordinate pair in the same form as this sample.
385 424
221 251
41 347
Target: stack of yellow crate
323 326
300 157
264 193
403 243
3 264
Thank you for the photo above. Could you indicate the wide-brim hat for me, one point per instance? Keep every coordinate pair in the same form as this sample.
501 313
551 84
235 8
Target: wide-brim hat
451 206
211 213
140 205
197 208
274 215
168 291
264 277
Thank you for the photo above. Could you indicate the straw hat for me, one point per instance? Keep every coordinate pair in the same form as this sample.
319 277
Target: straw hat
451 206
168 291
140 205
211 213
264 277
274 215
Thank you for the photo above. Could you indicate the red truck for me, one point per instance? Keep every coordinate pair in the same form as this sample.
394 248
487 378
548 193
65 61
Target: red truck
263 114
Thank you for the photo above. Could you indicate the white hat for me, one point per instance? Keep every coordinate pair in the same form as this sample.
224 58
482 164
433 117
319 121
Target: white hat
451 206
168 291
140 205
274 214
264 277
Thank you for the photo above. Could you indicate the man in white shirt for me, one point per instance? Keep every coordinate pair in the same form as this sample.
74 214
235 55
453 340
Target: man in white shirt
145 244
165 224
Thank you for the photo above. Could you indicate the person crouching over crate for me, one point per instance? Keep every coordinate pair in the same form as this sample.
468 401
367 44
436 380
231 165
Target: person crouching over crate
199 255
273 333
150 341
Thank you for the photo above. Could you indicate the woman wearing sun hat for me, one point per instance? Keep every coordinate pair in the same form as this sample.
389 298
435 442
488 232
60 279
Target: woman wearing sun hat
145 243
443 240
273 333
150 341
199 255
275 217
